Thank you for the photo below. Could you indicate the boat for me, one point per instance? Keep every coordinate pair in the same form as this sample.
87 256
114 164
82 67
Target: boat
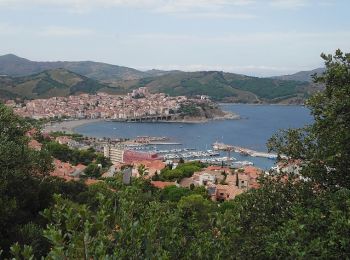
239 164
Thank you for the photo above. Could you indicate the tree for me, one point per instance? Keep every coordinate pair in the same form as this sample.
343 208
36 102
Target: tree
142 170
324 146
22 170
93 171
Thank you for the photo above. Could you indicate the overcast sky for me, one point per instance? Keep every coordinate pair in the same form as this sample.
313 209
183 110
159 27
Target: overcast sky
253 37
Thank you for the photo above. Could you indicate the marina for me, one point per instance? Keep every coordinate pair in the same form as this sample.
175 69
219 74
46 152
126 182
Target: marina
259 123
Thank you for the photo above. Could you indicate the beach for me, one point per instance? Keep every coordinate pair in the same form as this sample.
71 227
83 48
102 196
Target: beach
69 125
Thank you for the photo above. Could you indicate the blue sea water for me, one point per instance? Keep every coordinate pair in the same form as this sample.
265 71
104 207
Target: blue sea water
258 124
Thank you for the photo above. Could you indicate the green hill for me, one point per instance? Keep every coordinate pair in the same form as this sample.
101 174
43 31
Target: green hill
222 86
50 83
64 78
12 65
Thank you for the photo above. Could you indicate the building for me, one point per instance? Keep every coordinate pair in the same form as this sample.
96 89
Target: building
130 156
116 154
121 155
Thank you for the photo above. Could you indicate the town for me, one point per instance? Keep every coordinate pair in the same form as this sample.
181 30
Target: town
136 106
220 181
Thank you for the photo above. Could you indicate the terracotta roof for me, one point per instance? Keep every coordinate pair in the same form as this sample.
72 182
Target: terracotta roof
162 184
152 164
91 181
35 145
218 168
186 182
230 190
253 172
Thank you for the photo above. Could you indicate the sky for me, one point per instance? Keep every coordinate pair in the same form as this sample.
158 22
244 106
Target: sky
252 37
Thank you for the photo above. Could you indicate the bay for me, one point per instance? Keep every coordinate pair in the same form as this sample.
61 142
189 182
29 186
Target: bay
258 124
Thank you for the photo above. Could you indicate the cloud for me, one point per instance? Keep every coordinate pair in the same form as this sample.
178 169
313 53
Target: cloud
52 31
6 28
57 31
183 6
289 4
246 38
157 6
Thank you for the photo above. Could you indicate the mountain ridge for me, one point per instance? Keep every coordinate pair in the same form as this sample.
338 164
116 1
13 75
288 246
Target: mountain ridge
93 76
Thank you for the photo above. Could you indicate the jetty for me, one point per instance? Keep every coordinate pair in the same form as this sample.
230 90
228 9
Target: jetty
243 151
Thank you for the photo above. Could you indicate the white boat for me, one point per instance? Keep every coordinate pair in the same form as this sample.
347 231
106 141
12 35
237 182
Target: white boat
239 164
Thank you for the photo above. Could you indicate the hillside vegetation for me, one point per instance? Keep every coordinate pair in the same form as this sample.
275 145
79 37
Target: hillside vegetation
31 79
221 86
57 82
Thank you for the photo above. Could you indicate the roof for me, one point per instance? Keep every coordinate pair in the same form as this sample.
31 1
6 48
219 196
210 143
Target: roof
252 171
91 181
35 145
152 164
162 184
186 182
218 168
231 190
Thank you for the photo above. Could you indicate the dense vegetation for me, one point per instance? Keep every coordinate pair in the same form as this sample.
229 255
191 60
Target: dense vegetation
224 86
58 82
183 170
288 217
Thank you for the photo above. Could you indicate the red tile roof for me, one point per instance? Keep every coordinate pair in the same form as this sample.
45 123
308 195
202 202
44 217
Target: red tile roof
162 184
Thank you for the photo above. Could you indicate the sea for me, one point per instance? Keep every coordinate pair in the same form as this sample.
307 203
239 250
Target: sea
257 124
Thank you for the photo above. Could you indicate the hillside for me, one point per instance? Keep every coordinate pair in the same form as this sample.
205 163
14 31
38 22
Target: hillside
301 75
222 87
57 82
12 65
46 79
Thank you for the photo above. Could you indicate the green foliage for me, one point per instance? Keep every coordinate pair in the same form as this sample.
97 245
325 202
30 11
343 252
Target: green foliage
56 82
174 194
76 232
181 171
93 171
21 171
142 170
74 136
75 156
324 146
189 109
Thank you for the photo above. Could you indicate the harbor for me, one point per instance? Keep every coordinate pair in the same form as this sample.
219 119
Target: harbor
242 133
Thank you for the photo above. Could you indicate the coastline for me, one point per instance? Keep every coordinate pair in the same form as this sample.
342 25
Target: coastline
69 126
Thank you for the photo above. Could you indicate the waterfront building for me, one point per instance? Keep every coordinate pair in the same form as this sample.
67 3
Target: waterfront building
116 154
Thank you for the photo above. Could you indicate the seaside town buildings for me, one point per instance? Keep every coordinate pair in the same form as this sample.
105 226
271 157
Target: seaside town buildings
222 183
139 103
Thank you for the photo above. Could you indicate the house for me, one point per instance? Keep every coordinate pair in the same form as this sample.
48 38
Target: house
151 166
225 192
289 166
206 177
63 139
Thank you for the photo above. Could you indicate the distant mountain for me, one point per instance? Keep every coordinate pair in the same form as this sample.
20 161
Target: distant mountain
12 65
47 79
49 83
155 72
223 87
302 75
